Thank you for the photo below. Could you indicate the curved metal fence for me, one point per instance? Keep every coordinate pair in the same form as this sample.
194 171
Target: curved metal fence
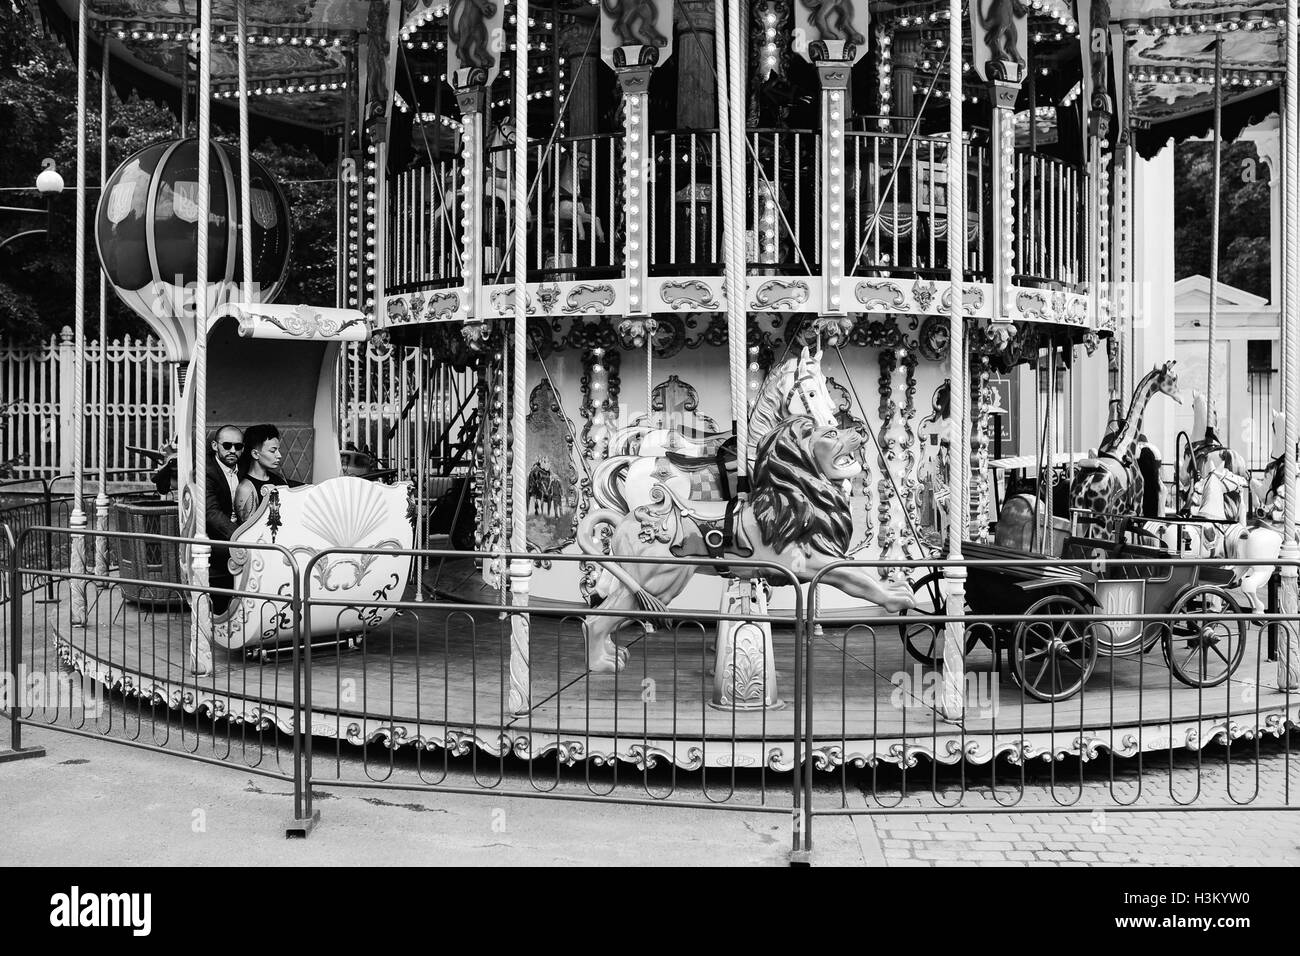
1132 683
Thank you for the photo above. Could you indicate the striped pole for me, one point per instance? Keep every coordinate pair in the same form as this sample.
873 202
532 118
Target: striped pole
951 690
1212 330
1288 658
200 553
77 521
520 570
101 500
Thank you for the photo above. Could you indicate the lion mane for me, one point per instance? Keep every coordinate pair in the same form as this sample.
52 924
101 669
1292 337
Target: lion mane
793 502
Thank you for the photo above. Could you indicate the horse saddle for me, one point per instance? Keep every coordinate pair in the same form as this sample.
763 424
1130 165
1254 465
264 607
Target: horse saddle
712 477
1103 462
711 531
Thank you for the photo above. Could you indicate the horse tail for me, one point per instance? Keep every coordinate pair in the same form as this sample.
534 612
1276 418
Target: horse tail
607 483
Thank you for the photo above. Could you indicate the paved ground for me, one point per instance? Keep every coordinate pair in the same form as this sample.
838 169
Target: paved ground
92 802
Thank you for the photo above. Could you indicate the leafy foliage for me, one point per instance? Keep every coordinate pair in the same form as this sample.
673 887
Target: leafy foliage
1244 215
38 119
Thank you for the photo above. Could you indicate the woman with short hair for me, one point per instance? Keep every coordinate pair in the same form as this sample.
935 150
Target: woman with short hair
257 469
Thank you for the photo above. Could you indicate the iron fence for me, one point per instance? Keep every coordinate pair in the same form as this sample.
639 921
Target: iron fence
110 667
1162 691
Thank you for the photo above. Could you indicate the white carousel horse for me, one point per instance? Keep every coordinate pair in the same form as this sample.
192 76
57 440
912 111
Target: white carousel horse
1260 539
1220 495
345 512
796 386
670 456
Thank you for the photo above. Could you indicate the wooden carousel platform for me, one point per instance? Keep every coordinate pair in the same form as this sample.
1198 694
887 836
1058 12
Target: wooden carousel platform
439 679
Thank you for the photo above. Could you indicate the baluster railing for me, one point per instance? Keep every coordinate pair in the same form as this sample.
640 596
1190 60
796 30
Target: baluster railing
1048 246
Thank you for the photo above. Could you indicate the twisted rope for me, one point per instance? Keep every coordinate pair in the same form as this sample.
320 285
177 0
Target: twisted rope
200 554
958 505
1288 663
731 117
245 176
101 500
77 559
520 570
1214 229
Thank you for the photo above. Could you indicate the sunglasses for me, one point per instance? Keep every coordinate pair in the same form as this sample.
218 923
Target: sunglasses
232 445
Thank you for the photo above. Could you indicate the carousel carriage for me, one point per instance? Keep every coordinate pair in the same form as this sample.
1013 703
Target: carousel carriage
275 364
265 364
1051 654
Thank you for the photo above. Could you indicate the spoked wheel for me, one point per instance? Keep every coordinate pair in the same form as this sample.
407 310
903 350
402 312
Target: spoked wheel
1052 659
1204 653
922 640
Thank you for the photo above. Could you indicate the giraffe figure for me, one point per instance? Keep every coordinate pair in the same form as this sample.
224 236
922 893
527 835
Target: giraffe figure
1111 485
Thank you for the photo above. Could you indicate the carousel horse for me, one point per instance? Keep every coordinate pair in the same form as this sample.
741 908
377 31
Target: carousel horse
1260 538
1219 496
1111 484
797 516
1194 454
644 455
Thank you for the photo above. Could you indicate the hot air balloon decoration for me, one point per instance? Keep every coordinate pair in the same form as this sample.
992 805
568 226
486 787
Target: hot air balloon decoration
146 228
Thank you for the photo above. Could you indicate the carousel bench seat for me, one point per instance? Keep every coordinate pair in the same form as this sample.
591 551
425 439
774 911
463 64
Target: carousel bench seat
1037 574
365 517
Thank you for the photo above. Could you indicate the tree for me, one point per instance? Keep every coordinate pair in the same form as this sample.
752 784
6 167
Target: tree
1243 214
38 113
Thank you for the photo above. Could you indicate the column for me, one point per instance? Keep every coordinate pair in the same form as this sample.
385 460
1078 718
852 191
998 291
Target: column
471 95
581 66
633 64
694 40
834 62
905 50
1004 89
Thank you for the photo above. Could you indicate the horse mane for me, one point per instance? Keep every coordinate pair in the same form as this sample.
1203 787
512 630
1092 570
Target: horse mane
767 404
793 502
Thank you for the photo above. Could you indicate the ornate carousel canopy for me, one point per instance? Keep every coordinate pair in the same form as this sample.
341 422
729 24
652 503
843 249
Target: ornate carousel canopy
306 55
1169 62
300 54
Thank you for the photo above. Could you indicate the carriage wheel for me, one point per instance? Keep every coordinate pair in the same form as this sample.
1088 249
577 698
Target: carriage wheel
1052 659
1204 653
922 640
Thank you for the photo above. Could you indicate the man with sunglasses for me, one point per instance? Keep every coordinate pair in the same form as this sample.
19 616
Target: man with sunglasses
222 479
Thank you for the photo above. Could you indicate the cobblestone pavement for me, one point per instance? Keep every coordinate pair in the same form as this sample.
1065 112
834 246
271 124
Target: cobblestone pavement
1102 833
91 802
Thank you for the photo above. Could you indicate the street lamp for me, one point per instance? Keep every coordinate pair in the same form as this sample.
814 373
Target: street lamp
48 184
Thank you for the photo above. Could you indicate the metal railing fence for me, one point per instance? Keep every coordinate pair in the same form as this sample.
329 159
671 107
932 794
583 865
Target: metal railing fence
1175 702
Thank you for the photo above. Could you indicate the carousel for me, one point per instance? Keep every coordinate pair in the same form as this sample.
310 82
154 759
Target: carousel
750 292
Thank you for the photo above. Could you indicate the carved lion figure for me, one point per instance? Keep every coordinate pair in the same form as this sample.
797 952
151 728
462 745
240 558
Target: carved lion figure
797 517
